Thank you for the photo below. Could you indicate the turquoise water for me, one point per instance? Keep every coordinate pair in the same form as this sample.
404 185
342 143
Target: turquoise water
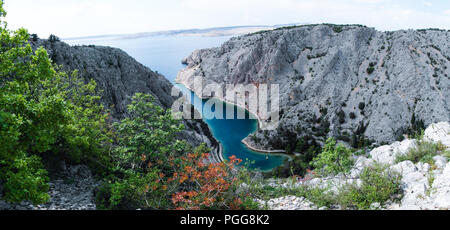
164 54
231 132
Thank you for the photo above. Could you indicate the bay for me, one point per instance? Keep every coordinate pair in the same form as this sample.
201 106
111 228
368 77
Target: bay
164 54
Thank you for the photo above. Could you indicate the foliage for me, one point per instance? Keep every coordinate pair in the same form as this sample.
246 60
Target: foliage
371 67
53 38
44 113
417 127
147 138
27 180
334 159
447 153
358 139
361 105
424 152
298 165
341 116
153 171
378 186
212 186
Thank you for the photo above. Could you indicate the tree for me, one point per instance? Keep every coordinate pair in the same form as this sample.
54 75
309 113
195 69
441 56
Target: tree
334 159
53 38
44 113
153 171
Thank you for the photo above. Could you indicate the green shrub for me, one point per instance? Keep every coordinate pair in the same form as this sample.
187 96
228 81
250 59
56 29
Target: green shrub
334 159
417 127
379 185
27 180
149 133
362 106
341 116
338 29
424 152
145 143
446 154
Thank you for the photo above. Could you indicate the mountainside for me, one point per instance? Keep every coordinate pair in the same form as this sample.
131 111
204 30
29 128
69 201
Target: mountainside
120 76
350 82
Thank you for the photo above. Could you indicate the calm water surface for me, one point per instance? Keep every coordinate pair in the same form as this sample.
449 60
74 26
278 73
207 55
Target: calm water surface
164 54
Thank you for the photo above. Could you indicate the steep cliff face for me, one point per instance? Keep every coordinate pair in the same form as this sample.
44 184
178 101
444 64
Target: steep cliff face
341 81
120 76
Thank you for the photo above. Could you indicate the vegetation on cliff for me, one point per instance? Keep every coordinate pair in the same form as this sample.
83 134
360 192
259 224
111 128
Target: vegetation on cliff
48 115
44 113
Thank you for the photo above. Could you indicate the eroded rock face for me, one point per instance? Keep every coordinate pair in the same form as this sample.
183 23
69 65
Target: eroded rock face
334 79
120 77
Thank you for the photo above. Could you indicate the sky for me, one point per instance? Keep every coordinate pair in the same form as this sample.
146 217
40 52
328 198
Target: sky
77 18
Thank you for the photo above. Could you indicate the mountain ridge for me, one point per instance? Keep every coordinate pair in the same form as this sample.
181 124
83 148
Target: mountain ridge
120 77
345 81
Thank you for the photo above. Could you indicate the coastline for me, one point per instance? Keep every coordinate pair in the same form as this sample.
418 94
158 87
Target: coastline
262 151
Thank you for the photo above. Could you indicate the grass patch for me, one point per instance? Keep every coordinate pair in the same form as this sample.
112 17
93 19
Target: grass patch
379 185
424 152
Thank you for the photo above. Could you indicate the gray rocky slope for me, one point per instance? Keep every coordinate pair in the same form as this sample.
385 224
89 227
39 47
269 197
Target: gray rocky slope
120 77
336 79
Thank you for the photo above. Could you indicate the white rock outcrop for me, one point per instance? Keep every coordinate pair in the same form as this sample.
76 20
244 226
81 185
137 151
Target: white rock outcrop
425 186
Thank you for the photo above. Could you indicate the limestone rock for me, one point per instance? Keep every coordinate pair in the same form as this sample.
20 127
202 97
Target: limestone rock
336 79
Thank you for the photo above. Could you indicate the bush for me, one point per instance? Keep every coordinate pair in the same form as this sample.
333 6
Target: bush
371 67
362 106
334 159
424 152
379 185
27 180
338 29
52 39
417 127
341 116
358 138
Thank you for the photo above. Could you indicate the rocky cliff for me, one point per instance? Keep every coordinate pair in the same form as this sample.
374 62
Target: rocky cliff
351 82
119 77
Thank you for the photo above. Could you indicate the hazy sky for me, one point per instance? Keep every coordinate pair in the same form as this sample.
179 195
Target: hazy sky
73 18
